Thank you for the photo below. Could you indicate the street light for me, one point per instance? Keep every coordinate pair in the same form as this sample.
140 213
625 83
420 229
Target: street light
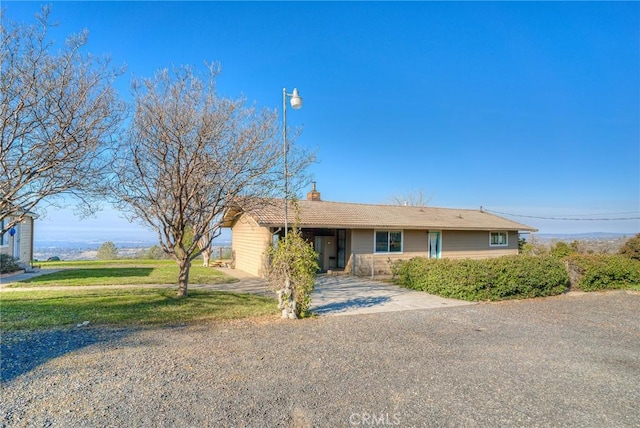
296 103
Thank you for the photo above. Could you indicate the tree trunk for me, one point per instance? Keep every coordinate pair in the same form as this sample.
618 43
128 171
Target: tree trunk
183 277
206 257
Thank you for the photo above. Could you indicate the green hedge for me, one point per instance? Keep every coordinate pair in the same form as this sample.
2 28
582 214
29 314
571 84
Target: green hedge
8 264
511 277
603 272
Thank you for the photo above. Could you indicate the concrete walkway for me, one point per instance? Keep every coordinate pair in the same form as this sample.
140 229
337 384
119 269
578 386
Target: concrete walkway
5 280
333 295
247 283
348 295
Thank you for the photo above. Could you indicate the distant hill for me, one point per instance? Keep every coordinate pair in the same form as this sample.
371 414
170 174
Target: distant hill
581 236
88 245
86 250
594 242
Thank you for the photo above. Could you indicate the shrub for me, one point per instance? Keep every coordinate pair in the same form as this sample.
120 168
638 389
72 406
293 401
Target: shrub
511 277
631 248
154 252
604 272
295 260
8 264
107 251
562 249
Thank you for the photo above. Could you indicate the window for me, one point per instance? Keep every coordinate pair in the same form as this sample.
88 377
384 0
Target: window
388 241
498 239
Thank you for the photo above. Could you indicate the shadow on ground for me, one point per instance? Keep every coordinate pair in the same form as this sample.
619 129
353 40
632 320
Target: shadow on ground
355 303
23 351
73 274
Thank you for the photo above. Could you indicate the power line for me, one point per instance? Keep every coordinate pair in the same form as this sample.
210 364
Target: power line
569 218
618 213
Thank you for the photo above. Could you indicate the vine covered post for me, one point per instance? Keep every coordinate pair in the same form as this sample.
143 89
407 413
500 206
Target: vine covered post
292 270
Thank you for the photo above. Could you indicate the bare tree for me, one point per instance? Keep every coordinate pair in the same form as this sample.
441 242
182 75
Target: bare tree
190 155
57 114
204 244
415 199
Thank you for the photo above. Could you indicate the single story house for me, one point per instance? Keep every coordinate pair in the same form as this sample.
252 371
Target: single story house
18 240
364 239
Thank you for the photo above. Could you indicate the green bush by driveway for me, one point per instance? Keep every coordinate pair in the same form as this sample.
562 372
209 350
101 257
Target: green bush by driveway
512 277
604 272
8 264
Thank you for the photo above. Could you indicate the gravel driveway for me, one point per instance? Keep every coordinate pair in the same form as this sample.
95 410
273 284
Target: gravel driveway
561 361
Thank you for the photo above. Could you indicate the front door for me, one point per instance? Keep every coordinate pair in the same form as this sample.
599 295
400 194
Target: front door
434 245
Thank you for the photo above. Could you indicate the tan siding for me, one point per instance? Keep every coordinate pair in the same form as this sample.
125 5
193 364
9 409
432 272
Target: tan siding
349 243
364 263
475 245
362 241
415 241
249 242
455 244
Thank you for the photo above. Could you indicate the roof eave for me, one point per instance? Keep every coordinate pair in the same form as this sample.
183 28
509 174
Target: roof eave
400 227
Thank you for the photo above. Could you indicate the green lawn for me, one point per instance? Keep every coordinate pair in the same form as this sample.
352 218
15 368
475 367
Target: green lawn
38 309
121 272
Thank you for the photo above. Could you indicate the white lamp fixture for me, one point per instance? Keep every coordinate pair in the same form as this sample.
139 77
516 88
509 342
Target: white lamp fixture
296 100
296 104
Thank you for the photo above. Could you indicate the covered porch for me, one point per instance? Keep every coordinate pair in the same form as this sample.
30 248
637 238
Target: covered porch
332 245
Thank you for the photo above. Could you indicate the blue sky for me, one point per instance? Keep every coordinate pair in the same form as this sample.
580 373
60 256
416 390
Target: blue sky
527 108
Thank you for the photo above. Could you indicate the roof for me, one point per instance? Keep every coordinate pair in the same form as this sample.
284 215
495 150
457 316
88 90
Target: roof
342 215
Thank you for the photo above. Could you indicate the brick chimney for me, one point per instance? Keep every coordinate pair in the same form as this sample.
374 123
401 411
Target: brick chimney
313 195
